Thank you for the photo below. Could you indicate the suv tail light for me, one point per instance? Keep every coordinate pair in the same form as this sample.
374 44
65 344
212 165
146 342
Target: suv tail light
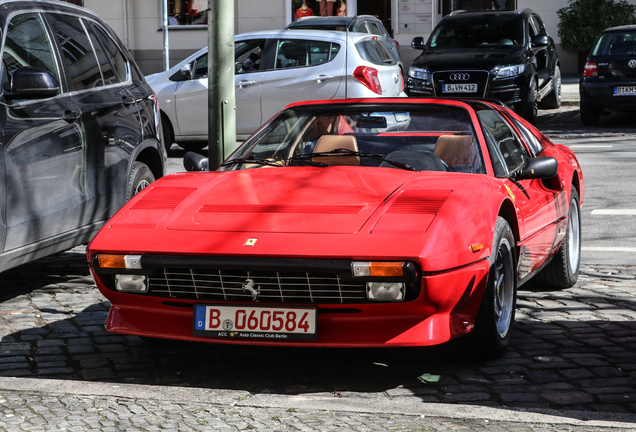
590 70
368 76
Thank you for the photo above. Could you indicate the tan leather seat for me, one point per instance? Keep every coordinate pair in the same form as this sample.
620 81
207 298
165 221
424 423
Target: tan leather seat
327 143
456 150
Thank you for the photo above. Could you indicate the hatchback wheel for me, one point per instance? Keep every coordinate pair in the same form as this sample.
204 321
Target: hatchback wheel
589 116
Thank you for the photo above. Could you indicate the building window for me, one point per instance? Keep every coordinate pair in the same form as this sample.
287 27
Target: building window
449 6
187 12
304 8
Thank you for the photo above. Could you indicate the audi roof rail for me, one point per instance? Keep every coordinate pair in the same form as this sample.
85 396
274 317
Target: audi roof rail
457 12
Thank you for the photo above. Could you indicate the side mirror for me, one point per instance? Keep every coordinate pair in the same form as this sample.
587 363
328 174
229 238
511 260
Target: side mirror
418 43
195 162
31 83
183 74
541 41
542 167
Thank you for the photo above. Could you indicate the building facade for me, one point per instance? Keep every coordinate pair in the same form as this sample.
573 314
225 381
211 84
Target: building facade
139 22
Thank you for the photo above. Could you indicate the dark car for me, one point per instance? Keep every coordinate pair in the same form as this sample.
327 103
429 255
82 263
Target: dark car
502 55
609 76
359 23
79 129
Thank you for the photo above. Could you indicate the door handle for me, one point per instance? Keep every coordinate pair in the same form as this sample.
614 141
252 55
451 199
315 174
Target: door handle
127 101
245 83
321 78
71 116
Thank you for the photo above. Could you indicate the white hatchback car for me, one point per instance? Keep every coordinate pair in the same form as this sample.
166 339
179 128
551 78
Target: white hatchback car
274 69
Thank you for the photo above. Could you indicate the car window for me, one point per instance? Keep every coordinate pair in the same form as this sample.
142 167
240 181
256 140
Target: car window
77 52
495 31
502 142
375 29
533 142
247 55
361 27
27 44
616 43
373 51
117 60
297 53
539 25
200 69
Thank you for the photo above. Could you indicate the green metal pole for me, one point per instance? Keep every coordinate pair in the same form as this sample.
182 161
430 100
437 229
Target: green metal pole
221 99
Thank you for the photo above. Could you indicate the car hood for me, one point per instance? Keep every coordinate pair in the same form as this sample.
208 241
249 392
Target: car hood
481 58
345 212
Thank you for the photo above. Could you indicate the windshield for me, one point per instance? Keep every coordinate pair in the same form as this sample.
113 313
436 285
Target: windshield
493 31
413 137
616 43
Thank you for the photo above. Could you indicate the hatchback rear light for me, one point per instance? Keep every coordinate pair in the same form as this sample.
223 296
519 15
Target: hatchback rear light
368 76
590 70
396 43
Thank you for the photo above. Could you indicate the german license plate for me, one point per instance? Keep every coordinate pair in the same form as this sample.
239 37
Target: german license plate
255 322
459 88
625 91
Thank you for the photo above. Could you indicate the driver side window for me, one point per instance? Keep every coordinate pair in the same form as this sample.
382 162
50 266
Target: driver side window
27 45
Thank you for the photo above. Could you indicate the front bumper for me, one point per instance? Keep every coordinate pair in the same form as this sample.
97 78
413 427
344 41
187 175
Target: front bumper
445 308
512 91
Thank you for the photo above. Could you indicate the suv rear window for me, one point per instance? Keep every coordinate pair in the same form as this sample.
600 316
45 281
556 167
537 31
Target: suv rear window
373 51
490 31
616 43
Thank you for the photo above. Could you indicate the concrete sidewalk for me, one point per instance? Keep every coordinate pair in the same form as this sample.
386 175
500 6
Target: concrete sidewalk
570 91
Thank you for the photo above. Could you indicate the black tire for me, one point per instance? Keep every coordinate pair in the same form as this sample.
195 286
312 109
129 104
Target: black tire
168 131
193 145
589 116
140 177
532 110
496 316
553 99
563 270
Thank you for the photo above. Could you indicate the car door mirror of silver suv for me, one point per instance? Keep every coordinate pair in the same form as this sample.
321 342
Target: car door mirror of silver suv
31 83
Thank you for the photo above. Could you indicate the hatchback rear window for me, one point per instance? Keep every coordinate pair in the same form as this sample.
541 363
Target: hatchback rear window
616 43
373 51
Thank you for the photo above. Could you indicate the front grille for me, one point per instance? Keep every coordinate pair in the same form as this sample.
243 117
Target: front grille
268 286
464 77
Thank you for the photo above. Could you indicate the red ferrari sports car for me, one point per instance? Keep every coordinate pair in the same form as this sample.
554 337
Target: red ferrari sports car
357 223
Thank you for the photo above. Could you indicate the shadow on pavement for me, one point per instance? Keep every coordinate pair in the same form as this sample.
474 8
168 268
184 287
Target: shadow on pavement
573 350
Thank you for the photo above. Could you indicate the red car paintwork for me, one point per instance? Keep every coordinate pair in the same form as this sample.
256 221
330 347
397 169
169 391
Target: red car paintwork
344 212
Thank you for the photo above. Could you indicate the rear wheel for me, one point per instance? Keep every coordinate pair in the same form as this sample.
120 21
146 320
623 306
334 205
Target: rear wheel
140 177
553 99
563 270
590 116
495 319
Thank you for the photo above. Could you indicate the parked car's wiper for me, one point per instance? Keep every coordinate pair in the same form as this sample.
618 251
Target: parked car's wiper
276 162
346 152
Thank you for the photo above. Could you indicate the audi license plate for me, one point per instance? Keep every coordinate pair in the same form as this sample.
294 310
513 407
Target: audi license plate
252 322
459 88
625 91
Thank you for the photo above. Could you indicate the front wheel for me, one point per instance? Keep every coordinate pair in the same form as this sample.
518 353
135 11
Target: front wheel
532 110
140 177
553 99
495 319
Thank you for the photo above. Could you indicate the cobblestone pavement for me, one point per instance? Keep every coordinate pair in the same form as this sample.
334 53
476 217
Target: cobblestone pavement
572 358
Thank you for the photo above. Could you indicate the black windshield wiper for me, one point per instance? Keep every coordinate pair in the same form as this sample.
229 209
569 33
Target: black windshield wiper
277 163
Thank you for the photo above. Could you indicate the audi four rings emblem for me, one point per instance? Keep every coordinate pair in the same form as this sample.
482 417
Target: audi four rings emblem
459 76
632 64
